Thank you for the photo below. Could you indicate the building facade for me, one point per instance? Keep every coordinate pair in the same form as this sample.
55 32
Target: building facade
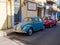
41 8
14 11
51 8
6 14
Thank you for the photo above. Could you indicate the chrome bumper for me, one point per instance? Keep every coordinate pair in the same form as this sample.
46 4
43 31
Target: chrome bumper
19 31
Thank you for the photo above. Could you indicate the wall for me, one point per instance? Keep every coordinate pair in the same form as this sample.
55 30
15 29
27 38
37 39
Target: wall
3 16
27 13
6 14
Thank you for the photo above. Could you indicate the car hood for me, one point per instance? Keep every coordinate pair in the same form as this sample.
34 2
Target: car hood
22 24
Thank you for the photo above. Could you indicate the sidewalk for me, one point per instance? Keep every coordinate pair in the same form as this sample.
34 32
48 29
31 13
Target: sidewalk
5 32
6 41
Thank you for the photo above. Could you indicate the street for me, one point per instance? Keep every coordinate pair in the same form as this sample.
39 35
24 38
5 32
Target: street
50 36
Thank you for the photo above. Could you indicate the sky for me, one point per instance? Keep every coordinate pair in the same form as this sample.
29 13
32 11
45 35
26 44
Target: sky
58 1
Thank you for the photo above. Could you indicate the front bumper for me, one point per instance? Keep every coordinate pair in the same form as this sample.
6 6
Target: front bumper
19 31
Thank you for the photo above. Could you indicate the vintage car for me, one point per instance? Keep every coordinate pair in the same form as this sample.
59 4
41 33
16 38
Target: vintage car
49 21
29 25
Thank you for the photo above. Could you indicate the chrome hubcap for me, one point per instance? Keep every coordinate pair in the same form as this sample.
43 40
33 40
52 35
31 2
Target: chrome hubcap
30 32
43 27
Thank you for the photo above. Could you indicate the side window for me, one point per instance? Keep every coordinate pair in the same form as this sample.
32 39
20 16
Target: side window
40 20
36 20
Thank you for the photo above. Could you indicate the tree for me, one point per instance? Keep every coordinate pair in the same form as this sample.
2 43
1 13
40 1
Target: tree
58 7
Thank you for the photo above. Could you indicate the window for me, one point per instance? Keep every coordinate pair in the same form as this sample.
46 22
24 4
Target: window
15 0
28 19
32 6
40 20
36 20
45 18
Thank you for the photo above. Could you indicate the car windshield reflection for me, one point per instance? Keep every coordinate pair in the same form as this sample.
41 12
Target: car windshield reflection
27 19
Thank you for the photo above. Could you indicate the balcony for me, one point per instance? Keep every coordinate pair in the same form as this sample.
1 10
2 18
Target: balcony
52 7
40 4
51 1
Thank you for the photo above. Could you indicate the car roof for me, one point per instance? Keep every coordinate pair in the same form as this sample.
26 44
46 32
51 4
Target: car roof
34 17
28 17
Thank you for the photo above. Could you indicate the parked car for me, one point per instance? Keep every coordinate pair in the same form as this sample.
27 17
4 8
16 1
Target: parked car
30 24
58 18
54 21
49 21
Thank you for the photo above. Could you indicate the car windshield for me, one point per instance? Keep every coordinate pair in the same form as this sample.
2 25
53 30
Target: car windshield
27 19
50 19
45 18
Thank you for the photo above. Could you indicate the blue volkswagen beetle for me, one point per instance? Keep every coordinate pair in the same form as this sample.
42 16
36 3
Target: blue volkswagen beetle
30 24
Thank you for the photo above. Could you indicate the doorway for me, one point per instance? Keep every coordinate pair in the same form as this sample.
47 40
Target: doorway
17 11
39 12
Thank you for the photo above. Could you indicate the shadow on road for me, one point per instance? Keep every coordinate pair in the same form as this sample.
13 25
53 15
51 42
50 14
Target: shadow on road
36 36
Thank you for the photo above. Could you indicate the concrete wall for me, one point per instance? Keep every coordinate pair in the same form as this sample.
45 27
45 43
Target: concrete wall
6 14
3 16
10 13
27 13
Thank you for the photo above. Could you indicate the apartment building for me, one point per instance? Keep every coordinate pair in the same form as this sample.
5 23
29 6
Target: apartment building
14 11
41 8
51 8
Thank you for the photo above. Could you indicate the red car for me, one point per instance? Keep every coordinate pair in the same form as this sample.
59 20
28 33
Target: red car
49 22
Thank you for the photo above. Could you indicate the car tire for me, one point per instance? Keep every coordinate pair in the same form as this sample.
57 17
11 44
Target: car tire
50 25
55 24
30 32
43 27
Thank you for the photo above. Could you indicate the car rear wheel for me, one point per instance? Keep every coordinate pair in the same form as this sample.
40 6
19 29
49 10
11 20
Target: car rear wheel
43 27
50 25
55 24
30 32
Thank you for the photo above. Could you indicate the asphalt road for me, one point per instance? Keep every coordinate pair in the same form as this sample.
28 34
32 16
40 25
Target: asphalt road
50 36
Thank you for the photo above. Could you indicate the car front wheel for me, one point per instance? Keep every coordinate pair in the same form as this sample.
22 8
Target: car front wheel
55 24
30 32
43 27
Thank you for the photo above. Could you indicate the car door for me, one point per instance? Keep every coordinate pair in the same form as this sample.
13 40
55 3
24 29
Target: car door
37 24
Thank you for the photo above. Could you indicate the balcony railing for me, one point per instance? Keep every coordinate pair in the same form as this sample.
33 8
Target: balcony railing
52 7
